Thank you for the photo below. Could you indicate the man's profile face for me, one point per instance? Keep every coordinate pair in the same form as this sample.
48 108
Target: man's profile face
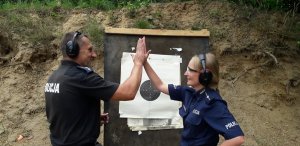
86 52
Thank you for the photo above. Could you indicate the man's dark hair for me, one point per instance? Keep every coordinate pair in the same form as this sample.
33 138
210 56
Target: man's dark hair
68 37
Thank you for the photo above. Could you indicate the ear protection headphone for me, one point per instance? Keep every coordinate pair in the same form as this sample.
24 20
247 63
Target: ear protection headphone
72 47
205 76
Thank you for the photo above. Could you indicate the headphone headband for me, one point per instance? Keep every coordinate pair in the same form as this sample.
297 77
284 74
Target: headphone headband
205 76
77 33
202 58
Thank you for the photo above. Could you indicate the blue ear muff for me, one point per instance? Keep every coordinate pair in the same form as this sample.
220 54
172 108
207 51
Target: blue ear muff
72 47
205 76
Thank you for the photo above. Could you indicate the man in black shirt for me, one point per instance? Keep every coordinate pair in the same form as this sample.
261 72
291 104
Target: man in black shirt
73 92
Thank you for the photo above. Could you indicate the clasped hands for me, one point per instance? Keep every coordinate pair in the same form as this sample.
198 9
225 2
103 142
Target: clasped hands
141 53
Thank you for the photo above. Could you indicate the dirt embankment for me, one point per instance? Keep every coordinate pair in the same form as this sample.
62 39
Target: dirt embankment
259 58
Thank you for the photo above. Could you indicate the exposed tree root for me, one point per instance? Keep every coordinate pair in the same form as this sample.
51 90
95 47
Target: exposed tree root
273 61
248 69
274 58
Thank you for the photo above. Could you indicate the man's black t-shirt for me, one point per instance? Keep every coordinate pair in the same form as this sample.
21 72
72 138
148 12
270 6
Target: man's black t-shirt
73 96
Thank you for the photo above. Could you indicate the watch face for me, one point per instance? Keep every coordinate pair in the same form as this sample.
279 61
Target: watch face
148 91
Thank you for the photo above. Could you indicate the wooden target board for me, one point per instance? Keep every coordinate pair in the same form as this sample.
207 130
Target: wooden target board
166 42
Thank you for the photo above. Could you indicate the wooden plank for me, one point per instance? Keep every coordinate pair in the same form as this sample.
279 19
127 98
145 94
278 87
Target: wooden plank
157 32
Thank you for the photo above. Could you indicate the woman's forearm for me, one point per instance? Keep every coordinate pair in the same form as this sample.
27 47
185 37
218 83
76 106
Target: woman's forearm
237 141
155 79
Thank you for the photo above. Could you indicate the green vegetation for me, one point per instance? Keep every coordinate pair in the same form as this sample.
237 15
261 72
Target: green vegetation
96 4
271 4
218 33
199 26
214 13
30 26
284 5
142 24
112 18
135 4
38 24
95 32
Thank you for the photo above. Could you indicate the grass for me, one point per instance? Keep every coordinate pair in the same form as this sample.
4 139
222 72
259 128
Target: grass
218 34
35 5
142 24
157 14
95 32
99 4
65 4
199 26
112 18
68 4
40 29
284 5
214 13
28 26
134 4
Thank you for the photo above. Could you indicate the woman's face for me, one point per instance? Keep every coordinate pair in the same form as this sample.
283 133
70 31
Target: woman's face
192 75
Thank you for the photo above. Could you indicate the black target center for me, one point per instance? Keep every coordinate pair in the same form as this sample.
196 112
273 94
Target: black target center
148 91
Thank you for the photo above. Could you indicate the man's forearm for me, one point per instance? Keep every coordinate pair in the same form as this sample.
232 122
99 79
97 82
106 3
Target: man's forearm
134 81
128 89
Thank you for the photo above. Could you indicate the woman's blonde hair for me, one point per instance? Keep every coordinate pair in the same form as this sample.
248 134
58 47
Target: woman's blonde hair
212 65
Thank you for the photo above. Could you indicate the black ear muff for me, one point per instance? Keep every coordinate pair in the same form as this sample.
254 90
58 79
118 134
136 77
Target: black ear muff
72 47
205 76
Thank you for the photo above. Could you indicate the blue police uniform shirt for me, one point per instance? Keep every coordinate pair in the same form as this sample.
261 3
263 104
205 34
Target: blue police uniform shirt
205 116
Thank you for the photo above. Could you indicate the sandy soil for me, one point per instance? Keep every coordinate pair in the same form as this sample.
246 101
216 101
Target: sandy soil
260 69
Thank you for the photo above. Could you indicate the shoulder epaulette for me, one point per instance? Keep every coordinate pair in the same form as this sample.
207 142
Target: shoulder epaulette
86 69
209 99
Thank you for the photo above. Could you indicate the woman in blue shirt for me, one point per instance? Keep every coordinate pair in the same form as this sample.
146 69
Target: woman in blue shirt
205 114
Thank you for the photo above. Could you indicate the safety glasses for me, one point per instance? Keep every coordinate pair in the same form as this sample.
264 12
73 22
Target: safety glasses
191 70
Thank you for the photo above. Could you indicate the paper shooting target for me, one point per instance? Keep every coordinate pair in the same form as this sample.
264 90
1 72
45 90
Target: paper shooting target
148 91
